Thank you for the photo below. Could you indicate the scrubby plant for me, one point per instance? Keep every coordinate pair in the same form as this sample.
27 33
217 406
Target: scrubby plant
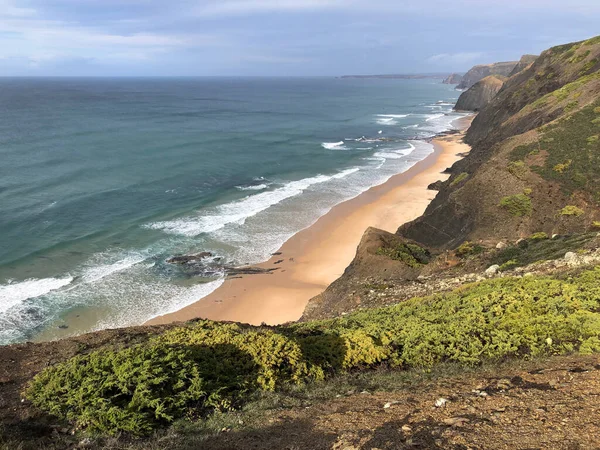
468 249
206 365
518 205
518 169
508 265
539 236
459 179
596 225
571 210
563 167
410 254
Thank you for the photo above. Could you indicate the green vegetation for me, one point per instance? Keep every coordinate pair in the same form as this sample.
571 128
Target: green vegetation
508 265
539 236
571 210
460 178
533 250
469 249
518 205
192 370
518 169
573 151
596 225
410 254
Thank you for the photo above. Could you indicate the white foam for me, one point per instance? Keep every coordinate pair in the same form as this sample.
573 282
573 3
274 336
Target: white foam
431 117
11 294
333 145
258 187
395 154
98 272
394 116
238 211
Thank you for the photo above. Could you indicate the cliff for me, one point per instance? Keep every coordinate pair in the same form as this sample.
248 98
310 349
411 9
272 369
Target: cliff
480 94
479 72
523 63
503 265
454 78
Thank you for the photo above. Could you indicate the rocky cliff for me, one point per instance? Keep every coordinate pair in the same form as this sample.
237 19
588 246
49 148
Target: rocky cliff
480 94
523 63
454 78
479 72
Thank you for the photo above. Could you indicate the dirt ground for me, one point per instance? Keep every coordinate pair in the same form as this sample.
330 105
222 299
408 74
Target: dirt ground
553 405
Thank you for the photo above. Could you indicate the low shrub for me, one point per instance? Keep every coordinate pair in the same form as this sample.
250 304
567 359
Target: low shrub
508 265
539 236
518 205
518 169
410 254
571 210
468 249
202 366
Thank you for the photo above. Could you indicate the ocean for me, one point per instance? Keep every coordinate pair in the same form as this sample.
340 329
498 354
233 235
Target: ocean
103 180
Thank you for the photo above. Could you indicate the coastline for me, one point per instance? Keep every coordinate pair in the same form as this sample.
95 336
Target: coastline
315 257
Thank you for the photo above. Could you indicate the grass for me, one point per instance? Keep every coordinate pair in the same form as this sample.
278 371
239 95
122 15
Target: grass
192 372
469 249
459 179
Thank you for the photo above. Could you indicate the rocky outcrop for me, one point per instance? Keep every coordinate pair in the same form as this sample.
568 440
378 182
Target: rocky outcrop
454 78
478 73
480 94
524 63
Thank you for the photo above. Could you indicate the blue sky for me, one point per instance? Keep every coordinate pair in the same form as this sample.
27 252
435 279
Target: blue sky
279 37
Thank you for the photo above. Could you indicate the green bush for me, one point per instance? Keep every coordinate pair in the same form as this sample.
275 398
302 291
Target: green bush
468 249
508 265
193 369
518 205
518 169
571 210
539 236
410 254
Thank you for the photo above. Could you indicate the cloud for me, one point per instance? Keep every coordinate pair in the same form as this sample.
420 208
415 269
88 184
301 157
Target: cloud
244 7
453 59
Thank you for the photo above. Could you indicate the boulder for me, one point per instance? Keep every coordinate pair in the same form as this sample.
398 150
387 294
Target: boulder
187 259
492 270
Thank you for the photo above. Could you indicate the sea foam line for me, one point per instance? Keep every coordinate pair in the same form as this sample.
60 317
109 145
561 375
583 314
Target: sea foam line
240 210
14 293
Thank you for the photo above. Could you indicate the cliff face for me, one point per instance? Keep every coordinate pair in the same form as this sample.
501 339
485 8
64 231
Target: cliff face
524 62
455 78
534 160
479 72
480 94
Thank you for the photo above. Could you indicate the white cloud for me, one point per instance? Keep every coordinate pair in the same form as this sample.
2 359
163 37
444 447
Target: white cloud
455 58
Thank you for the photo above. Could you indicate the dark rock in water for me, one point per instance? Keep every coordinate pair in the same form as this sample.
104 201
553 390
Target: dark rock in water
189 258
276 254
436 186
278 262
63 327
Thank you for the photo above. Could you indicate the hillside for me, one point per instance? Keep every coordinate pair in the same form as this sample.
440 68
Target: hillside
480 94
475 326
479 72
454 78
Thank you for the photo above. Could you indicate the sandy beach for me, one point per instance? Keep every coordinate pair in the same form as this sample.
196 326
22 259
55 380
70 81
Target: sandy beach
316 256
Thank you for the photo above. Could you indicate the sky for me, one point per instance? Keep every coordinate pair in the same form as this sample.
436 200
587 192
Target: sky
279 37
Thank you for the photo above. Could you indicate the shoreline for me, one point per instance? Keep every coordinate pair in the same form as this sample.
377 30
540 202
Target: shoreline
315 257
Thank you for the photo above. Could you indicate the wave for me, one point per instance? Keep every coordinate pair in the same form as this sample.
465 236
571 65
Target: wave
395 154
431 117
240 210
333 145
98 272
257 187
11 294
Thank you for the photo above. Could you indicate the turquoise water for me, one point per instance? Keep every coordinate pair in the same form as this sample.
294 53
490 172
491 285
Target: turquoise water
103 179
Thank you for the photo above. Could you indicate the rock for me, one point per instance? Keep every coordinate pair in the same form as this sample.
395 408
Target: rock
480 94
570 256
456 421
554 236
63 327
436 186
406 428
440 402
501 245
454 78
492 270
479 72
186 259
